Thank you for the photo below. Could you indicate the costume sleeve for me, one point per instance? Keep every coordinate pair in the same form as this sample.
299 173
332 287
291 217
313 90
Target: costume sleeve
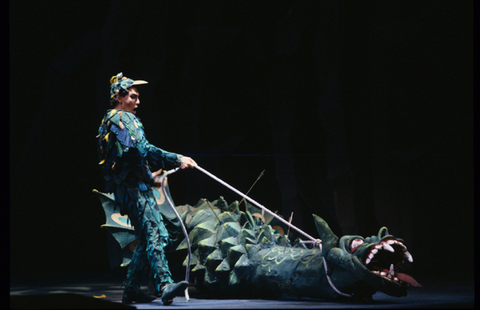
156 155
130 135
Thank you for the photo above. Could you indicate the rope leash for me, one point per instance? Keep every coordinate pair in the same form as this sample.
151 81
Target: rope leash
330 281
185 233
313 240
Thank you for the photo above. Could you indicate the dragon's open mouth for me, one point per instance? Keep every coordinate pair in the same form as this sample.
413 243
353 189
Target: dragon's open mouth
386 259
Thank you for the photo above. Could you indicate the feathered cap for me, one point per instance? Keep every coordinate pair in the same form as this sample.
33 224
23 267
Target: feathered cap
119 81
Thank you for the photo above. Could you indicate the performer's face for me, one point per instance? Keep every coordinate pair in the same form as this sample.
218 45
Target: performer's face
130 102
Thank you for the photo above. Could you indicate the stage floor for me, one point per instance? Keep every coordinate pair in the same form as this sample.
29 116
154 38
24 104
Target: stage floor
103 291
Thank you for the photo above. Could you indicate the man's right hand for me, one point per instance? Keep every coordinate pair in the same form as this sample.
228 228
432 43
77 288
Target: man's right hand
187 162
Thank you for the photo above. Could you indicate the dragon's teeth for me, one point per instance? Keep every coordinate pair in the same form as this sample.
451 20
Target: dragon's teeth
391 272
391 241
369 258
374 251
409 256
388 247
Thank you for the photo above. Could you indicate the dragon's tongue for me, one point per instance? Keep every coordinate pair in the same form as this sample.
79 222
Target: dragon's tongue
406 278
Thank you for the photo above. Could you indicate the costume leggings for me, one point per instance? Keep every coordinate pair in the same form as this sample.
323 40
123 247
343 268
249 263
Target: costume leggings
149 254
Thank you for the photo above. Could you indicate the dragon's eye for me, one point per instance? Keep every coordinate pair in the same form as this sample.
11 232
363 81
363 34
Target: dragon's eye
355 244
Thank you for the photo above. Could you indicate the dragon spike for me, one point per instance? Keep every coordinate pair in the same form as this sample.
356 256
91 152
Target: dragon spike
329 239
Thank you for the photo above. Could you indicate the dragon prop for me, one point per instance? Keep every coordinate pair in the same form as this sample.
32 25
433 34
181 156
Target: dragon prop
238 253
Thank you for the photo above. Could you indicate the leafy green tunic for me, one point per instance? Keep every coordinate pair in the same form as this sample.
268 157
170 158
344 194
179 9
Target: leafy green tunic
125 158
123 148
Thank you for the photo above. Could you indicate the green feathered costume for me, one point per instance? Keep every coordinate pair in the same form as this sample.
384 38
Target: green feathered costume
125 158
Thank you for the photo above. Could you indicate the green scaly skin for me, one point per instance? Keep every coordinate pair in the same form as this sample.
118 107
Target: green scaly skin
235 254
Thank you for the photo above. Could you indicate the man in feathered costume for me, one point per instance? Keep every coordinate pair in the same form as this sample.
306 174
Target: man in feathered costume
126 158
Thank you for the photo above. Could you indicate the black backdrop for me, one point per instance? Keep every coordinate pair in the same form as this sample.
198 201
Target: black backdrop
360 113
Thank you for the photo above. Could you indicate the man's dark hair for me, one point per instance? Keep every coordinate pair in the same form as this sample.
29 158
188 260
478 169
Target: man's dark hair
113 101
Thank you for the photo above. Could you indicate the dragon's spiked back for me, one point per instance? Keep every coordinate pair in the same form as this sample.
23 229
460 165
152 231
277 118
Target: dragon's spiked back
236 253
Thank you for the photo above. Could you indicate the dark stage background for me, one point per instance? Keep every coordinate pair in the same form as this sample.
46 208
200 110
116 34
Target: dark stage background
359 112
